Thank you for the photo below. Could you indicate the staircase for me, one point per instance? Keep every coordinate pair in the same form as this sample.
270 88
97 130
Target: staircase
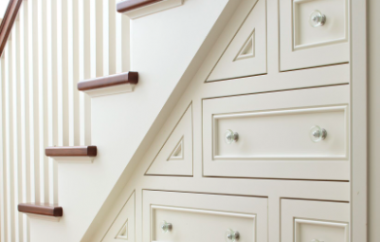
77 150
46 48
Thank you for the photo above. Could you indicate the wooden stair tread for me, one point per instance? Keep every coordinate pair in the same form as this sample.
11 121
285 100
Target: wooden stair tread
41 209
129 5
108 81
70 151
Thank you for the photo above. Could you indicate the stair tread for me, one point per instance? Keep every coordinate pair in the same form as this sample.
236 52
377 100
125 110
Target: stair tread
108 81
41 209
69 151
129 5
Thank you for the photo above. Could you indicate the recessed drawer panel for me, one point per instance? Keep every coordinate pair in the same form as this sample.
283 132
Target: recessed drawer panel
314 221
268 134
313 33
197 217
294 134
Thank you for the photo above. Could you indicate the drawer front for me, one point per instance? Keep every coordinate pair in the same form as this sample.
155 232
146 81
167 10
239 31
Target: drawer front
197 217
314 221
313 33
282 134
295 134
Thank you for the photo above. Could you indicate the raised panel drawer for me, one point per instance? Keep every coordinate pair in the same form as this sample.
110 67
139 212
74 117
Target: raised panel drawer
314 221
313 33
295 134
187 217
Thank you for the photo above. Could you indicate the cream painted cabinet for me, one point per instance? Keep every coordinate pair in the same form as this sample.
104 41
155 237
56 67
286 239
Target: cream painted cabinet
244 41
313 33
123 227
314 221
299 134
187 217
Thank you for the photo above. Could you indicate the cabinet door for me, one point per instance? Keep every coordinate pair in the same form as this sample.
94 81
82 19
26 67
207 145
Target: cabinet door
314 221
187 217
293 134
313 33
245 53
123 227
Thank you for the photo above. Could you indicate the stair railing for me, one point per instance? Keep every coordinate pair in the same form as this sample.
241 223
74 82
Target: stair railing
8 21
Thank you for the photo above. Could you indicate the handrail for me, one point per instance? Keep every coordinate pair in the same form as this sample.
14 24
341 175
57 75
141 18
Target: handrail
8 21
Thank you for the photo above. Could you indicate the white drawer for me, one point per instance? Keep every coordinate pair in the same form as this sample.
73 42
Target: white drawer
295 134
314 221
199 217
313 33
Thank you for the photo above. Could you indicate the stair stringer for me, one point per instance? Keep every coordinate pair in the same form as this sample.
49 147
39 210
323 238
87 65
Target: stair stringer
124 125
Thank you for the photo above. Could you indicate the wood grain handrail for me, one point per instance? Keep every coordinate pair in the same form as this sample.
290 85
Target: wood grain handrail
128 5
119 79
71 151
40 209
8 21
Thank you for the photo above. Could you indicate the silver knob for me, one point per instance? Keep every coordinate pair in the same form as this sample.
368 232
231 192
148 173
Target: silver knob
317 240
317 19
232 236
231 137
317 134
166 227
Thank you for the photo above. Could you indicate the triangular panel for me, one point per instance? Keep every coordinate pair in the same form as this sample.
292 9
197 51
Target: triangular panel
123 233
176 154
248 49
123 227
245 54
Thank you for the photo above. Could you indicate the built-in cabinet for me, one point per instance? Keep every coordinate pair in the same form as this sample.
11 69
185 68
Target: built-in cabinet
298 136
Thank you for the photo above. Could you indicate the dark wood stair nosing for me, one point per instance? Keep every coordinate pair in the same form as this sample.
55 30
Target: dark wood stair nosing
71 151
41 209
108 81
129 5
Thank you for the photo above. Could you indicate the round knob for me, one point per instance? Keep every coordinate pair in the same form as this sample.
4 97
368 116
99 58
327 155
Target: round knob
166 227
317 134
231 136
232 236
317 19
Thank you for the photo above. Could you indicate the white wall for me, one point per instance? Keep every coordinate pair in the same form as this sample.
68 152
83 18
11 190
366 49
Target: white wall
3 7
374 132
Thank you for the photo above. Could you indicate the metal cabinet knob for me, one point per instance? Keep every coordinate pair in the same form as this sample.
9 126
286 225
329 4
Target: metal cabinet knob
166 227
317 19
317 134
231 137
232 236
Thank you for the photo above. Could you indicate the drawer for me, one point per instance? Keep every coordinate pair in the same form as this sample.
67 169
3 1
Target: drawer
295 134
313 33
314 221
187 217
